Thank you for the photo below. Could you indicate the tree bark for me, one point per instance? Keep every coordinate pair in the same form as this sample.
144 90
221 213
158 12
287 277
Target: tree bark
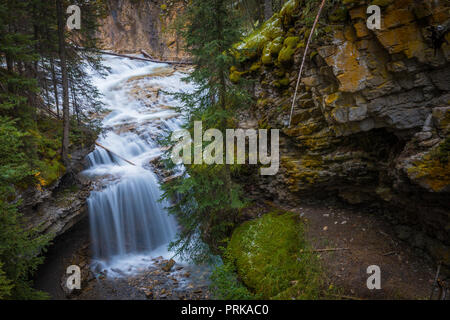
55 85
65 82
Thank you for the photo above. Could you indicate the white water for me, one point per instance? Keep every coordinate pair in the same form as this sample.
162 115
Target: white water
129 226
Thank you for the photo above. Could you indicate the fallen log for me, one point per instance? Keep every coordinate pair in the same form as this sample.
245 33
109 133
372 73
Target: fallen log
145 59
114 154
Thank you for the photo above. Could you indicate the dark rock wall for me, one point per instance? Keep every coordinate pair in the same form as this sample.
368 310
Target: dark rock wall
372 117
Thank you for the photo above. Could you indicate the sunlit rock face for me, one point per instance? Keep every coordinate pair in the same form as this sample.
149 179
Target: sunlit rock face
134 25
372 118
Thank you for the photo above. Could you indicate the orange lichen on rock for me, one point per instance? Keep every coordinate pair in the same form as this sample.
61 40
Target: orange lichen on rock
348 67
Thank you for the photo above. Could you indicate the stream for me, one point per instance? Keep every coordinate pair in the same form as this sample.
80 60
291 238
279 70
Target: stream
130 229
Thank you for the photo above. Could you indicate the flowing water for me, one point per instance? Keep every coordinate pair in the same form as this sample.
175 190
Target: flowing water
129 224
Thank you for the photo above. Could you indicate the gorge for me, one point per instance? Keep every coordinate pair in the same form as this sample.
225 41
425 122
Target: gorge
363 174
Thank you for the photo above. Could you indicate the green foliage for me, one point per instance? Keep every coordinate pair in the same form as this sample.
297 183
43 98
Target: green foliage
206 201
225 284
5 284
20 254
443 151
19 248
273 259
30 128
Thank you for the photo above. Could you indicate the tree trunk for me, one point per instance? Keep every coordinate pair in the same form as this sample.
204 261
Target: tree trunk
55 85
268 12
65 82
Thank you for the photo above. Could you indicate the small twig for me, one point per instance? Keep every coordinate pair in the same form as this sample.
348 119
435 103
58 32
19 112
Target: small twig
435 280
329 249
389 253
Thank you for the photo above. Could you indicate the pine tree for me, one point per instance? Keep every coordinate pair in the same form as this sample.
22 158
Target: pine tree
207 202
31 83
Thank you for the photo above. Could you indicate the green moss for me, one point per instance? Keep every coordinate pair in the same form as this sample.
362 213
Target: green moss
273 259
338 15
276 45
235 76
291 42
382 3
443 151
286 55
287 12
255 66
281 83
434 168
257 40
266 57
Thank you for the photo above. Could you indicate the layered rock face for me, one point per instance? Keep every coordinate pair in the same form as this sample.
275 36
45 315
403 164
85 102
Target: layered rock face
57 208
372 118
134 25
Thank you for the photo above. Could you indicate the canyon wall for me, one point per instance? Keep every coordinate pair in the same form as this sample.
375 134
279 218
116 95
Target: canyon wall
372 119
56 208
134 25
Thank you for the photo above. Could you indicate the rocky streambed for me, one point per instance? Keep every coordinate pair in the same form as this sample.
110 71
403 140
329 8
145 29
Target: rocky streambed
121 248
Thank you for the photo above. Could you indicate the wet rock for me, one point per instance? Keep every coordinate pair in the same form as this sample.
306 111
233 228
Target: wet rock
168 265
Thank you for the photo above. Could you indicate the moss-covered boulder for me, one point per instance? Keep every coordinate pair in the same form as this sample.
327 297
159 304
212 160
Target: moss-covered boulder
272 257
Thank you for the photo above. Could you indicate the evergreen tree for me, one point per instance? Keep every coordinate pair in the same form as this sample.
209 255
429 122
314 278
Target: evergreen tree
207 202
32 78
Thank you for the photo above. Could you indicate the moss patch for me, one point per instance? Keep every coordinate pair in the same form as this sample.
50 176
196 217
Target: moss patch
273 260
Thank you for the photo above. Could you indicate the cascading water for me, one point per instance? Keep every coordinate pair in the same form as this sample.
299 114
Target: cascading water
128 222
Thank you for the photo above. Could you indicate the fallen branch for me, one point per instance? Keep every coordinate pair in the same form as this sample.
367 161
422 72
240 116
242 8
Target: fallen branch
435 280
115 154
303 61
145 54
145 59
329 249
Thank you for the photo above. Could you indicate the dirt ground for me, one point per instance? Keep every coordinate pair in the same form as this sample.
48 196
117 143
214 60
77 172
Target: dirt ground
365 239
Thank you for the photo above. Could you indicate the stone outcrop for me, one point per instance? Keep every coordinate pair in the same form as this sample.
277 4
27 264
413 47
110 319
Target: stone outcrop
371 121
57 208
134 25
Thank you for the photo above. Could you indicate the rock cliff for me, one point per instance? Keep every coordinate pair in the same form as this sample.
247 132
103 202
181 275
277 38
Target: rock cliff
372 119
134 25
57 208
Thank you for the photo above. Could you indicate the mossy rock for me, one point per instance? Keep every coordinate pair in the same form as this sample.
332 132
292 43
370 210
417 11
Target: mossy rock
287 11
338 15
286 55
266 57
272 257
276 45
291 42
381 3
235 76
257 40
255 66
281 83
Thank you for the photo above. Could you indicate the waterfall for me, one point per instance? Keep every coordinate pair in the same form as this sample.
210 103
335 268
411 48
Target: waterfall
126 217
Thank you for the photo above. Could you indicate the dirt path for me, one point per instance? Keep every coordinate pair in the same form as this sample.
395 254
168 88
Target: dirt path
370 240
